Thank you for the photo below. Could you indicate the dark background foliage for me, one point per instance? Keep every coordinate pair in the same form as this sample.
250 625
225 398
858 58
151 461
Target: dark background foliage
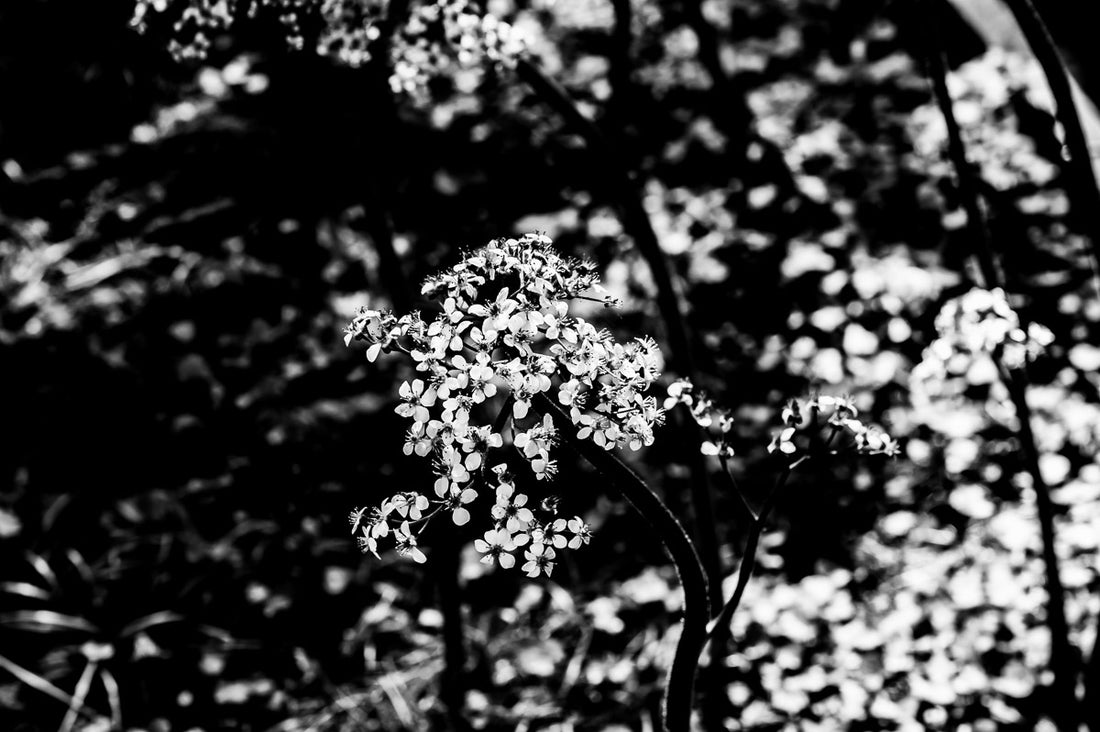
184 431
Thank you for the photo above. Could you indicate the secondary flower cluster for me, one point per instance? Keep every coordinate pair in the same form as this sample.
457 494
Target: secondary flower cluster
839 414
959 378
979 326
800 417
434 37
708 415
504 325
446 35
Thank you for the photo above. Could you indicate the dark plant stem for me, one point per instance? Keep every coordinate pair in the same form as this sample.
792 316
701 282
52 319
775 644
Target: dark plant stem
1085 203
1083 191
706 530
721 623
379 223
627 200
452 685
446 554
1064 660
619 57
637 224
965 173
679 691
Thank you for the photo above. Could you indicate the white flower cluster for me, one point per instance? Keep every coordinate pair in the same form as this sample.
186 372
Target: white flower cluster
349 28
504 325
437 36
706 414
446 35
798 416
975 331
194 22
841 416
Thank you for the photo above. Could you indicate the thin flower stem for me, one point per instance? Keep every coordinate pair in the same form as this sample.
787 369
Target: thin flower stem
504 414
1064 658
736 486
1085 201
635 219
679 690
445 569
452 682
748 561
969 189
716 705
379 221
628 200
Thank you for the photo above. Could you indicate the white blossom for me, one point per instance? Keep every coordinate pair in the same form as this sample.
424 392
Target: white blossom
503 329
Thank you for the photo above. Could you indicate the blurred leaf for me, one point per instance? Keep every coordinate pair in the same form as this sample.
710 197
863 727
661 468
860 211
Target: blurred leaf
25 589
43 568
83 685
46 621
10 525
150 621
35 681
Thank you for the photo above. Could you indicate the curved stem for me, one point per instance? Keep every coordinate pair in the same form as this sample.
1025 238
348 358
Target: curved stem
679 691
1064 659
1083 190
637 224
627 200
1085 196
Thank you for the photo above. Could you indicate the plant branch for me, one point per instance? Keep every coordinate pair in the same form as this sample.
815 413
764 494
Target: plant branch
382 181
748 561
637 224
1064 658
1064 661
627 201
1085 202
737 487
622 86
965 173
679 691
1083 190
446 554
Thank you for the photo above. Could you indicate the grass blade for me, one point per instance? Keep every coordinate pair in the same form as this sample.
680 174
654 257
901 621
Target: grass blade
79 695
46 621
150 621
38 683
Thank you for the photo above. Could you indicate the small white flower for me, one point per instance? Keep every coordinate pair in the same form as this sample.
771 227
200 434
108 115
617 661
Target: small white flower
513 513
496 546
540 559
582 534
406 544
416 400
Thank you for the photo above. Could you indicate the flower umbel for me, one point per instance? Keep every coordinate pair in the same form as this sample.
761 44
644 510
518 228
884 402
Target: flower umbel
502 335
